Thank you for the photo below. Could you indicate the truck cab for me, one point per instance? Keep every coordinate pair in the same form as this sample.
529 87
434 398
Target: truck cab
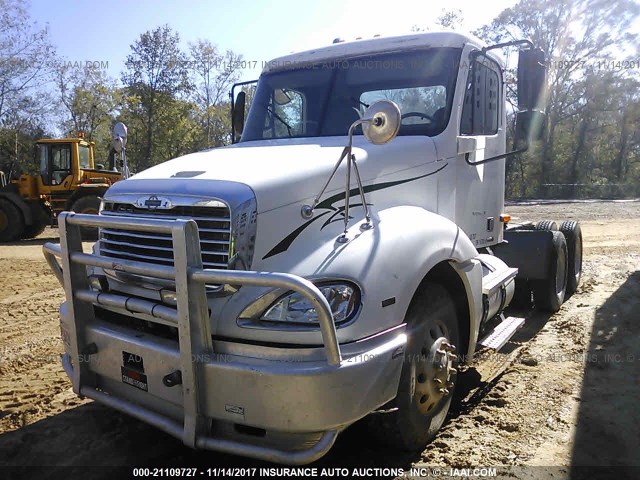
336 261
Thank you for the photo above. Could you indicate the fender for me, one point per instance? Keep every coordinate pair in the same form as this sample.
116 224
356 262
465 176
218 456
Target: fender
388 262
432 239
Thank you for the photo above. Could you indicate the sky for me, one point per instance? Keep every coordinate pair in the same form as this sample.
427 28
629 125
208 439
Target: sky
91 31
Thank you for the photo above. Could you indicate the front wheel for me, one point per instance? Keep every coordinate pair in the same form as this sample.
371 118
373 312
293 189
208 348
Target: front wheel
11 221
429 372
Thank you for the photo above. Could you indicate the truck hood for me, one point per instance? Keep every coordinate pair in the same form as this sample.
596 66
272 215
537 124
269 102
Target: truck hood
281 172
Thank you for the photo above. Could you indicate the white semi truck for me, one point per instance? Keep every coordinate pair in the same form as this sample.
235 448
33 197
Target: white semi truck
342 258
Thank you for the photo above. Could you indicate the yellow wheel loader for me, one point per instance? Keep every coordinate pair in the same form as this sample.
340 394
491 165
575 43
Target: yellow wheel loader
70 179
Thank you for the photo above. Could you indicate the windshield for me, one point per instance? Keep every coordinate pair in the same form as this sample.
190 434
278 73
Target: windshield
324 99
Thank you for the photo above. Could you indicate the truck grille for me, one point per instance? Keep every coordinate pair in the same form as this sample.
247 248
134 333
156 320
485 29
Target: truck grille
214 227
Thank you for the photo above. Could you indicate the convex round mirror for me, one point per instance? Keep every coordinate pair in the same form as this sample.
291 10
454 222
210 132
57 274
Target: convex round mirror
119 133
384 122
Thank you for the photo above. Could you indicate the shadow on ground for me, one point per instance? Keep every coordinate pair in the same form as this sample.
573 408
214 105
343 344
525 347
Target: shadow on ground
608 422
92 436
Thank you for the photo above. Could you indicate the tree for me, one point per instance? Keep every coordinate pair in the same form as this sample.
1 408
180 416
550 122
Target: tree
578 36
449 19
89 96
156 74
213 74
25 60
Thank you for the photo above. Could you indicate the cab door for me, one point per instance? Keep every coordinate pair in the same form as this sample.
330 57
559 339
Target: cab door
56 165
480 192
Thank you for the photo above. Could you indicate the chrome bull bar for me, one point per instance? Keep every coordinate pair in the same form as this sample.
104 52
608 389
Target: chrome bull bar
191 317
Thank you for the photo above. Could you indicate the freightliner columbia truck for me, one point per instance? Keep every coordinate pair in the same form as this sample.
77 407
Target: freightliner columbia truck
340 260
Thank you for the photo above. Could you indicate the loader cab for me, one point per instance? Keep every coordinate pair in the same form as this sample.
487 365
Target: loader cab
55 160
62 162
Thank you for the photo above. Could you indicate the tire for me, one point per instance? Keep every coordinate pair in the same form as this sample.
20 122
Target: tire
41 218
425 391
548 294
88 204
548 225
573 235
11 221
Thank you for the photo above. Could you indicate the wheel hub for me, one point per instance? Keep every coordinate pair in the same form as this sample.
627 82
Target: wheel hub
434 374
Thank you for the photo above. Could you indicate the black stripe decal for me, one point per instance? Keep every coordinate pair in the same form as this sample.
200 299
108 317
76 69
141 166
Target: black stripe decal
327 204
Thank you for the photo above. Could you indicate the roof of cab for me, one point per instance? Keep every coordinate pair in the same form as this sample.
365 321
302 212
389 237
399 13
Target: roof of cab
373 45
64 140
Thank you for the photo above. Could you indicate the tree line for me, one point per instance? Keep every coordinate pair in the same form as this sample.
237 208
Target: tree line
175 101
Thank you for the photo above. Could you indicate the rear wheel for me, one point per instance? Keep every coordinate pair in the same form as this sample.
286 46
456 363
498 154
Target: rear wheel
11 221
548 294
89 204
573 236
428 375
547 225
40 219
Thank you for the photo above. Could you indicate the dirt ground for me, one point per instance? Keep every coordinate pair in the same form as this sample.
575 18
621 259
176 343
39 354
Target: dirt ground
564 393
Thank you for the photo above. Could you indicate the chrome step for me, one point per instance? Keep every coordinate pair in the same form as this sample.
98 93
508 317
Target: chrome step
503 332
493 281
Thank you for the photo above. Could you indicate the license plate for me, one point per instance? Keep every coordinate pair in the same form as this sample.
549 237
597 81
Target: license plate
134 378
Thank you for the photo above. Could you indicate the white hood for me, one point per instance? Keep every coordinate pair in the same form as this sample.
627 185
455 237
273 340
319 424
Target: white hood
286 171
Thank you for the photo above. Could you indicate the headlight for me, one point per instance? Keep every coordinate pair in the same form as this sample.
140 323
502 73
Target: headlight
344 300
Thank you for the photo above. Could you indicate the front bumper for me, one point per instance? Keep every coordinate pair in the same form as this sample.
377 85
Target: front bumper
284 405
293 407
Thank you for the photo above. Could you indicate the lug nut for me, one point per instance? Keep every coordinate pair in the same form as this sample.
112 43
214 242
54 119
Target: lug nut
437 380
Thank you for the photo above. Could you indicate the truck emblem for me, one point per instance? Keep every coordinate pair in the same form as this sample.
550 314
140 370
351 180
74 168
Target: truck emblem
154 202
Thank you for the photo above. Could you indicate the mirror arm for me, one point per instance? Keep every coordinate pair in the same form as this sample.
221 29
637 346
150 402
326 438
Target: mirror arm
508 44
307 210
496 157
363 199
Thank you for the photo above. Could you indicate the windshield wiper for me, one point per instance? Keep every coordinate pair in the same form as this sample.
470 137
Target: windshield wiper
275 115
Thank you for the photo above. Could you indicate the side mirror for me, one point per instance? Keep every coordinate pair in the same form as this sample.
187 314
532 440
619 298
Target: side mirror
119 136
528 126
532 76
237 116
381 122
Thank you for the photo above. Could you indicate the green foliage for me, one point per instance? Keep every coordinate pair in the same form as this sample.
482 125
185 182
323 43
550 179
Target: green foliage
25 60
590 141
213 74
157 77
